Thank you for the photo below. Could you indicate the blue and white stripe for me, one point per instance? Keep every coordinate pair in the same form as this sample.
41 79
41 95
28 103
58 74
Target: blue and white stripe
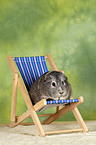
55 103
61 101
31 68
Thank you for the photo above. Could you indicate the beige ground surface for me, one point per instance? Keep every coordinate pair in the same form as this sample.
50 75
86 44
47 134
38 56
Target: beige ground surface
27 135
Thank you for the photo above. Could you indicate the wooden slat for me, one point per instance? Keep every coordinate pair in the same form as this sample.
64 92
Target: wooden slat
44 115
63 131
39 115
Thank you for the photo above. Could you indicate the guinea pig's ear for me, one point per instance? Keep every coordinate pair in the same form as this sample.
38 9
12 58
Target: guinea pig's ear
47 77
66 78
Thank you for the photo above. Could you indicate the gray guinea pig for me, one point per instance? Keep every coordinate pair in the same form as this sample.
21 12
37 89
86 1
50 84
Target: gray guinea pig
52 85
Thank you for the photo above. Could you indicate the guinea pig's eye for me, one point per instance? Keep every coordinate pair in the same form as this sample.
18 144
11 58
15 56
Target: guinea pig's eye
53 84
63 83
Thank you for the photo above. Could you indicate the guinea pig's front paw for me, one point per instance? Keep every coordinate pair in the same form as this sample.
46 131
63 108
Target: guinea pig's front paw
49 99
67 104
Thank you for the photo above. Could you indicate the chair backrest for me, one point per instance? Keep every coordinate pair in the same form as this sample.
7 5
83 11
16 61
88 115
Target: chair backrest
31 68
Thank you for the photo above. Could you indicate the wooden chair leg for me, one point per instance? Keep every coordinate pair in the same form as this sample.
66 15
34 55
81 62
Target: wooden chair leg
80 119
19 119
37 122
35 118
14 97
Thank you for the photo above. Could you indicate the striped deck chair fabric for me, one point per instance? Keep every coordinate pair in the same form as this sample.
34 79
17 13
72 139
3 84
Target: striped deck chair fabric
31 68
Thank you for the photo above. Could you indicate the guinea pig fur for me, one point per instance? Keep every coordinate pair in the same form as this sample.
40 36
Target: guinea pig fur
52 85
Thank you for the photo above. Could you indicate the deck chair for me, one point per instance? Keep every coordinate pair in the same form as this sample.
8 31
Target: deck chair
25 71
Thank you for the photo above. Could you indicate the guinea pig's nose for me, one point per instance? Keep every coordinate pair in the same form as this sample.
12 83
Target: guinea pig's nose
60 91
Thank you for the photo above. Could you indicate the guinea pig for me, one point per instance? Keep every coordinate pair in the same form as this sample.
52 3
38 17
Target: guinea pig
52 85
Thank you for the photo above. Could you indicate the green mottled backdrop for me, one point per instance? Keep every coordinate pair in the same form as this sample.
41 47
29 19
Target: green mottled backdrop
64 28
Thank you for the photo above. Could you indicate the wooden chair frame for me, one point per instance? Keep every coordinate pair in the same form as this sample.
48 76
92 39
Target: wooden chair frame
31 112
